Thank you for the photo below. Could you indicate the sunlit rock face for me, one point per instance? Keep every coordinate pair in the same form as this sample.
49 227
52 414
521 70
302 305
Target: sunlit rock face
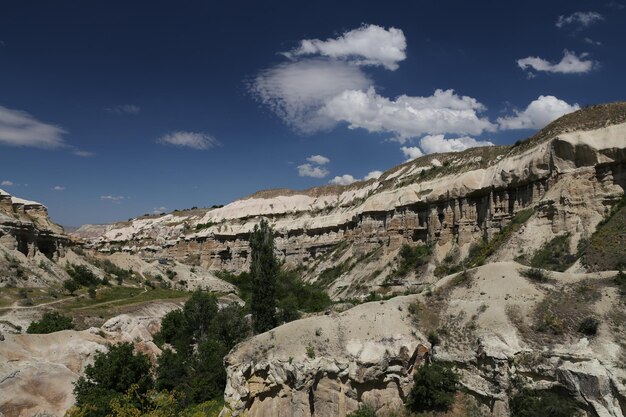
570 174
327 365
26 227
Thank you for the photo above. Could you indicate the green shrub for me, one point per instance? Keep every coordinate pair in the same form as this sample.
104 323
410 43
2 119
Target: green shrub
589 326
540 403
363 411
71 286
83 275
535 274
480 252
554 255
412 257
51 322
434 388
92 292
112 374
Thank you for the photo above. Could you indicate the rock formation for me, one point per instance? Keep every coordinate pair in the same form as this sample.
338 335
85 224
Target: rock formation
571 173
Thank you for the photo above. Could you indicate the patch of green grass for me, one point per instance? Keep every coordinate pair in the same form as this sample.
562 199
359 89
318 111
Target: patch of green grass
120 296
554 255
605 250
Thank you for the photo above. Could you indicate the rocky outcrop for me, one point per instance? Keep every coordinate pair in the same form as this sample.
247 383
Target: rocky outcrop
26 227
328 365
571 173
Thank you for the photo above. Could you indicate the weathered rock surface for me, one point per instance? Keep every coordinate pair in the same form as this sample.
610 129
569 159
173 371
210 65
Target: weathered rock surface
327 365
571 173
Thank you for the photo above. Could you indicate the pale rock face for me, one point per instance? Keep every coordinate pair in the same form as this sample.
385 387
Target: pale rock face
570 179
370 352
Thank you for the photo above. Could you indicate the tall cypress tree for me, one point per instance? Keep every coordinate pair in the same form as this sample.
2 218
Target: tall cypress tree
263 273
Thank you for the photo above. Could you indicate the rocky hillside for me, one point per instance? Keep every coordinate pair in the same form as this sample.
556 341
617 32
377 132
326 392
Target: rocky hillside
561 182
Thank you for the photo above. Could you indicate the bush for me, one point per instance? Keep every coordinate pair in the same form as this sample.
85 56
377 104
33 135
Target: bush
83 275
554 255
71 286
363 411
50 322
92 292
412 258
589 326
535 274
434 388
112 374
538 403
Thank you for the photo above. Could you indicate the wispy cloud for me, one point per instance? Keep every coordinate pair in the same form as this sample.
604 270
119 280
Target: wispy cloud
84 154
569 64
58 188
159 210
578 19
113 198
18 128
124 109
592 42
539 113
367 45
296 91
193 140
7 183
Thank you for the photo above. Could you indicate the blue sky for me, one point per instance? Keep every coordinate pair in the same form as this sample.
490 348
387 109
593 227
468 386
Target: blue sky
109 110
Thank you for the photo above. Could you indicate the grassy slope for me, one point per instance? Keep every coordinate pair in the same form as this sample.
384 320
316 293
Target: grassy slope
606 249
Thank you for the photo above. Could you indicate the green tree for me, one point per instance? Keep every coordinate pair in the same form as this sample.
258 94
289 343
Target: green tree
111 375
199 312
71 286
51 322
541 403
231 326
263 271
434 388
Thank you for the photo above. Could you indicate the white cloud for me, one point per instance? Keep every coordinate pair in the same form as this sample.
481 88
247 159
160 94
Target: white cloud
439 144
348 179
318 159
367 45
539 113
411 152
580 19
58 188
18 128
7 183
124 109
406 116
592 42
84 154
308 170
159 210
343 180
296 91
372 175
113 198
569 64
199 141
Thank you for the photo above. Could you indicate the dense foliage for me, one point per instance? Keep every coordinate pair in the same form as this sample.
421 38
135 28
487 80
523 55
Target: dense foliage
200 336
529 403
51 322
554 255
263 272
112 375
434 388
412 257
